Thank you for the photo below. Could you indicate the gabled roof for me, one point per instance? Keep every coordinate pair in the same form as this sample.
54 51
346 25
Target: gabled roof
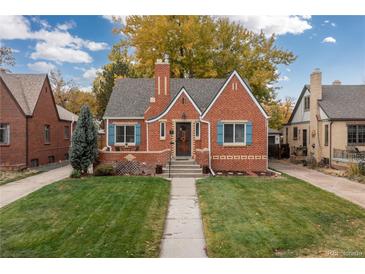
343 102
339 102
131 96
66 115
25 88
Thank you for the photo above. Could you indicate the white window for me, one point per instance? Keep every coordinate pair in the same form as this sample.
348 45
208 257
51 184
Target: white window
4 134
234 133
162 130
124 134
197 130
47 134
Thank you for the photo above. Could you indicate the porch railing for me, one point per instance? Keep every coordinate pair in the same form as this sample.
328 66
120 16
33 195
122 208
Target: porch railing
350 156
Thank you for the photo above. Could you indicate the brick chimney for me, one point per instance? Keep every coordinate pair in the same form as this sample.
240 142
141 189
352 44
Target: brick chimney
162 80
162 88
336 83
315 96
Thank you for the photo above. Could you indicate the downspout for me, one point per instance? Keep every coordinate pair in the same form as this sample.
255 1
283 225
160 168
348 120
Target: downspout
330 144
209 145
72 123
107 135
26 142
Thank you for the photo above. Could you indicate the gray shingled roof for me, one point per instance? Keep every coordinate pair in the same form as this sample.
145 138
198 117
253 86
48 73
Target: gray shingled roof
25 88
66 115
343 101
131 96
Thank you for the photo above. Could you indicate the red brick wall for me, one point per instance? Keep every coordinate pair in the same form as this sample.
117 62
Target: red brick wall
14 153
151 158
45 113
238 105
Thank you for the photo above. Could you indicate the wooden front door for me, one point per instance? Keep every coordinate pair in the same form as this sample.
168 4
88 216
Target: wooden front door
183 139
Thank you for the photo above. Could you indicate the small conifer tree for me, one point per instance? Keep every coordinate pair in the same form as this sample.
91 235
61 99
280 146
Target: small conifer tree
84 148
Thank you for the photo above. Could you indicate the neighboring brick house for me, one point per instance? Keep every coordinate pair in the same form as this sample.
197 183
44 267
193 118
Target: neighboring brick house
328 121
216 122
33 129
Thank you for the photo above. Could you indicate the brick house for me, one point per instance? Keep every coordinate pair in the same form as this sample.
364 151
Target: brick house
33 129
216 123
328 122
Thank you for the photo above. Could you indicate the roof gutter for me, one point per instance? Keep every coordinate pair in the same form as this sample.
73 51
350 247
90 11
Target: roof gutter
209 145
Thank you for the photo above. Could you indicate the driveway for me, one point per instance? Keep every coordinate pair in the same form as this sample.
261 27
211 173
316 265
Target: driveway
13 191
347 189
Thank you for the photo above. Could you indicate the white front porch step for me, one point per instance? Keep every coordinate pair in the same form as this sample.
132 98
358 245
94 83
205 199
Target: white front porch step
173 170
184 166
184 175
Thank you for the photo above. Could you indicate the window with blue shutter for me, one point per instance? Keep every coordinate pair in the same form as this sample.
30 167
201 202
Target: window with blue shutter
138 134
249 133
111 134
220 133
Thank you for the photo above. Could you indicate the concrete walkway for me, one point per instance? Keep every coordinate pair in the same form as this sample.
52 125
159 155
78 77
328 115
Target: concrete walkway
347 189
183 236
15 190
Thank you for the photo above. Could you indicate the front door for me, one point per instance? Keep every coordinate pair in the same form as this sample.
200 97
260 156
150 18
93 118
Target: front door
304 138
183 139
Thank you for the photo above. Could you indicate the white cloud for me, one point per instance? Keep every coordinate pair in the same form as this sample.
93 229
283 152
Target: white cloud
333 24
42 67
329 40
55 44
284 78
94 46
279 25
326 21
60 54
288 69
111 20
14 27
90 74
67 25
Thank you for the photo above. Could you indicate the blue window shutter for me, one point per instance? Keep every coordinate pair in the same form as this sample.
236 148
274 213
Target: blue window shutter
249 133
219 133
111 134
138 134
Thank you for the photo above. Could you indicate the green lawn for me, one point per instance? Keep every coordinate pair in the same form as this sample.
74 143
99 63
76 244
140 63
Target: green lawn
91 217
279 217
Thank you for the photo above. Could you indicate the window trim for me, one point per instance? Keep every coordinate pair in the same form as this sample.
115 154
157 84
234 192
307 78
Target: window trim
47 142
8 133
197 124
295 137
234 143
125 135
163 123
68 132
357 143
326 135
305 106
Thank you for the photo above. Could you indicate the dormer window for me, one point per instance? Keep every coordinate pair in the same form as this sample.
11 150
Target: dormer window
306 103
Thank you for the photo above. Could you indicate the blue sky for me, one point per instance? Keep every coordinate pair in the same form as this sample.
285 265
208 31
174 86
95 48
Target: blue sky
79 45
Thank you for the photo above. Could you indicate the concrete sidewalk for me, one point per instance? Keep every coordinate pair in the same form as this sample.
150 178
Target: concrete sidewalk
15 190
345 188
183 236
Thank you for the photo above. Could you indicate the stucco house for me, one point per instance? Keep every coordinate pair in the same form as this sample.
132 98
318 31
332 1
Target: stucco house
328 121
33 129
216 123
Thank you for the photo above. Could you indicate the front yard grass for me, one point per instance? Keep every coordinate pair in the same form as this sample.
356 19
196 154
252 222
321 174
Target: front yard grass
278 217
90 217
